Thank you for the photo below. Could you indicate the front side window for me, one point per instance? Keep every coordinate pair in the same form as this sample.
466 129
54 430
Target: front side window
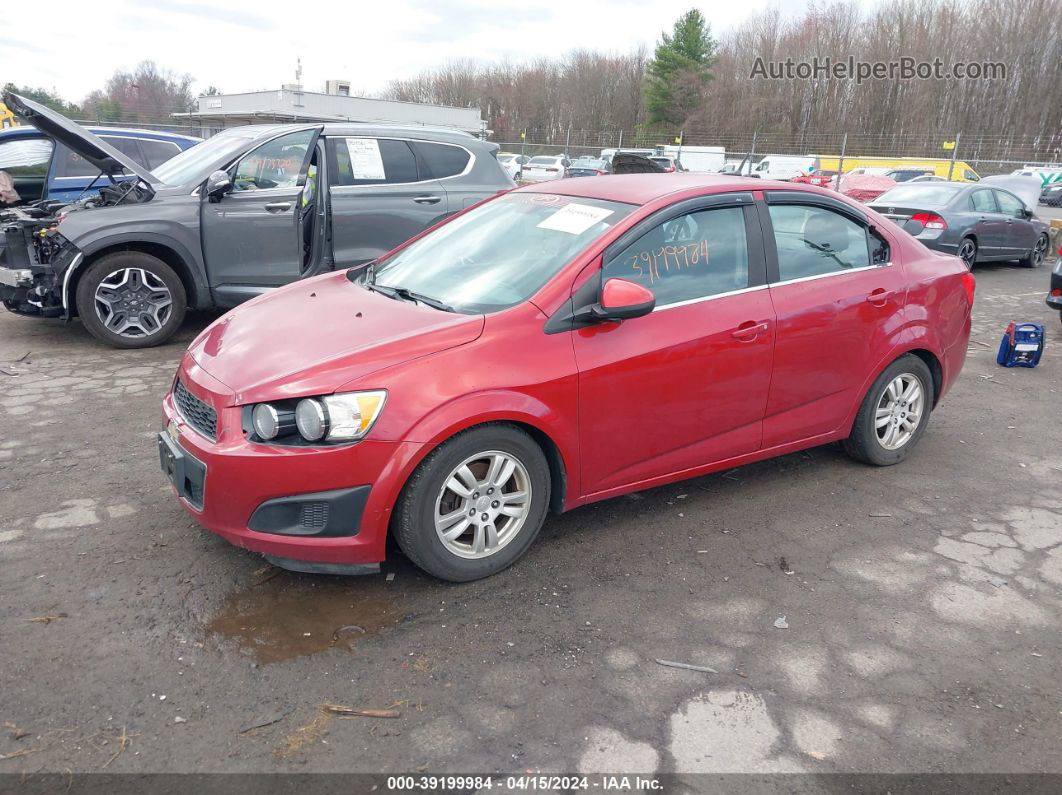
982 201
276 164
689 257
1010 205
27 157
194 164
501 253
441 160
373 161
970 175
813 241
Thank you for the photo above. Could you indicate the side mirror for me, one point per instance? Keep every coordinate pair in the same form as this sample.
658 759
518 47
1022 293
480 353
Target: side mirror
913 227
1027 214
623 300
217 185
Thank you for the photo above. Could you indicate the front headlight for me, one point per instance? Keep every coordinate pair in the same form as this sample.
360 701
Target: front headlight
330 418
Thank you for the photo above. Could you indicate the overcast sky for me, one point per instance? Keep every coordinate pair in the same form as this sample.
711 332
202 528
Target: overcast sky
73 46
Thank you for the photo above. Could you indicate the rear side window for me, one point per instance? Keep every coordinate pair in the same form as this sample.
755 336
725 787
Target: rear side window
157 152
27 157
814 241
689 257
372 161
983 202
441 160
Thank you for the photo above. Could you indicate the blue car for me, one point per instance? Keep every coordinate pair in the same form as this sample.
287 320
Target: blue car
45 169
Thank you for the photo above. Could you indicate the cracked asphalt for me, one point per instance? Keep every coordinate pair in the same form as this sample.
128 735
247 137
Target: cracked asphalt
922 603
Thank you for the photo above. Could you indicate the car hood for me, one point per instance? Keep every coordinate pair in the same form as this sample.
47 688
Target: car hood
95 150
314 336
626 163
1025 188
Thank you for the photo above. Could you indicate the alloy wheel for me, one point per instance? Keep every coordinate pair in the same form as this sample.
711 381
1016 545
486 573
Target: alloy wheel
483 504
133 302
967 252
1039 251
898 412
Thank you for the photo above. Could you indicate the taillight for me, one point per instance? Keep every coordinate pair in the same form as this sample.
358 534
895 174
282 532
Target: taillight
969 284
1057 292
669 170
600 173
930 220
552 169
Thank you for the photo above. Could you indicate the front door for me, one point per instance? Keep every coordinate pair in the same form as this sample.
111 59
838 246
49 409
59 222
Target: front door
686 385
252 237
837 298
379 196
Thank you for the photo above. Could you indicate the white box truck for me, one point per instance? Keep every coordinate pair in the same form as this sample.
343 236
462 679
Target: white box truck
697 158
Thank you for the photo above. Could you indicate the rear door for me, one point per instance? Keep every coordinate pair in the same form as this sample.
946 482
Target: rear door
837 297
251 237
1020 234
379 196
990 225
455 168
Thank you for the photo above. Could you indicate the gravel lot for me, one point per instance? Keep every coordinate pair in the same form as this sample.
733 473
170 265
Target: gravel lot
923 603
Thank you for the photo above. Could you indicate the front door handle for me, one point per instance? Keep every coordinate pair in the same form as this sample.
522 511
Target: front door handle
278 207
427 199
748 331
880 296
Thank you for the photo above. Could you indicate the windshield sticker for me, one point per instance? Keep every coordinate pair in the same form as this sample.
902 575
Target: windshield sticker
575 218
365 159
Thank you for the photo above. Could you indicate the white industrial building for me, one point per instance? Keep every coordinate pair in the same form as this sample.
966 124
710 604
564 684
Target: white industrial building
292 103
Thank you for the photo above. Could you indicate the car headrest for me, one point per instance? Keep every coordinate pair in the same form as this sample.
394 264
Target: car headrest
826 230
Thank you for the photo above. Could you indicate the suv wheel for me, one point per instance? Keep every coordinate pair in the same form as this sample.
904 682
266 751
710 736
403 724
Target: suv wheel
475 504
894 414
131 300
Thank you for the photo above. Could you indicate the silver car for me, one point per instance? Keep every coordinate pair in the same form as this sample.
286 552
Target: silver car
250 209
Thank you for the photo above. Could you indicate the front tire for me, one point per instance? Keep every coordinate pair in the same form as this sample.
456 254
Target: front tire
130 299
475 504
1036 256
894 414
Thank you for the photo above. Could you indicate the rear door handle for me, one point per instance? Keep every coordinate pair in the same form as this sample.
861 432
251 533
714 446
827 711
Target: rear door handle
748 331
278 207
880 296
427 199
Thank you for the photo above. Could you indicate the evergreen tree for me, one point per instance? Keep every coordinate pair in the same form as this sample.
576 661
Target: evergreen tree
678 73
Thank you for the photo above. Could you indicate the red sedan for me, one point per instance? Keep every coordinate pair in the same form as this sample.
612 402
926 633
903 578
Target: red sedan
554 346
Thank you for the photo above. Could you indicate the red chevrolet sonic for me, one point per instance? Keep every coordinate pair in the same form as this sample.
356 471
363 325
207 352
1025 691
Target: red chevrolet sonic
553 346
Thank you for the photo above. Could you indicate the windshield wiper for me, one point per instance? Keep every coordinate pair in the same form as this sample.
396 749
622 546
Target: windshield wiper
405 294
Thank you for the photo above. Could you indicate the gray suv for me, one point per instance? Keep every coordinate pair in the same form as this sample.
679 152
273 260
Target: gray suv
252 208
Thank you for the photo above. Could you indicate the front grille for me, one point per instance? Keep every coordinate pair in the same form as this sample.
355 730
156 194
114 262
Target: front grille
198 414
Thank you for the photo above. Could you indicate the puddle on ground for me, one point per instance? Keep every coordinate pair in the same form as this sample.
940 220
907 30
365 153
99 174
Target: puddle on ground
293 615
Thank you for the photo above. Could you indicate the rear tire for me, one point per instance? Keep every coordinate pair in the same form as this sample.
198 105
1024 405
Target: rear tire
1037 254
883 433
130 299
967 252
475 504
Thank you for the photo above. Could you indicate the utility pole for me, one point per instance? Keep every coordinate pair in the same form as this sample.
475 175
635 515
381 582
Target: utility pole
840 163
619 146
954 152
567 142
752 153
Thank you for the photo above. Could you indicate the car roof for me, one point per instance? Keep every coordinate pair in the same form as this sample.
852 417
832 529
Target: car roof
644 188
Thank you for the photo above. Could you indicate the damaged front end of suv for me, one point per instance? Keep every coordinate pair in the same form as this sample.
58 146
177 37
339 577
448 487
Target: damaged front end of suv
36 259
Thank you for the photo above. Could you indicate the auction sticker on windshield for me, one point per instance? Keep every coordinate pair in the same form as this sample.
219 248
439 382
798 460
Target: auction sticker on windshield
575 218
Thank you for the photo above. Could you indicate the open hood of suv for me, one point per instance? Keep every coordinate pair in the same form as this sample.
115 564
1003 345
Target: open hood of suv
630 163
96 151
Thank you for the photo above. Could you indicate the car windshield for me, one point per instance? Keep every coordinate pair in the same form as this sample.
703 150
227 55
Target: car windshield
498 255
590 164
543 161
187 167
920 193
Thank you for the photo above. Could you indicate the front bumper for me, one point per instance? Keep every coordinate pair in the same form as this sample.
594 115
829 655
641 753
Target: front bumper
318 505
